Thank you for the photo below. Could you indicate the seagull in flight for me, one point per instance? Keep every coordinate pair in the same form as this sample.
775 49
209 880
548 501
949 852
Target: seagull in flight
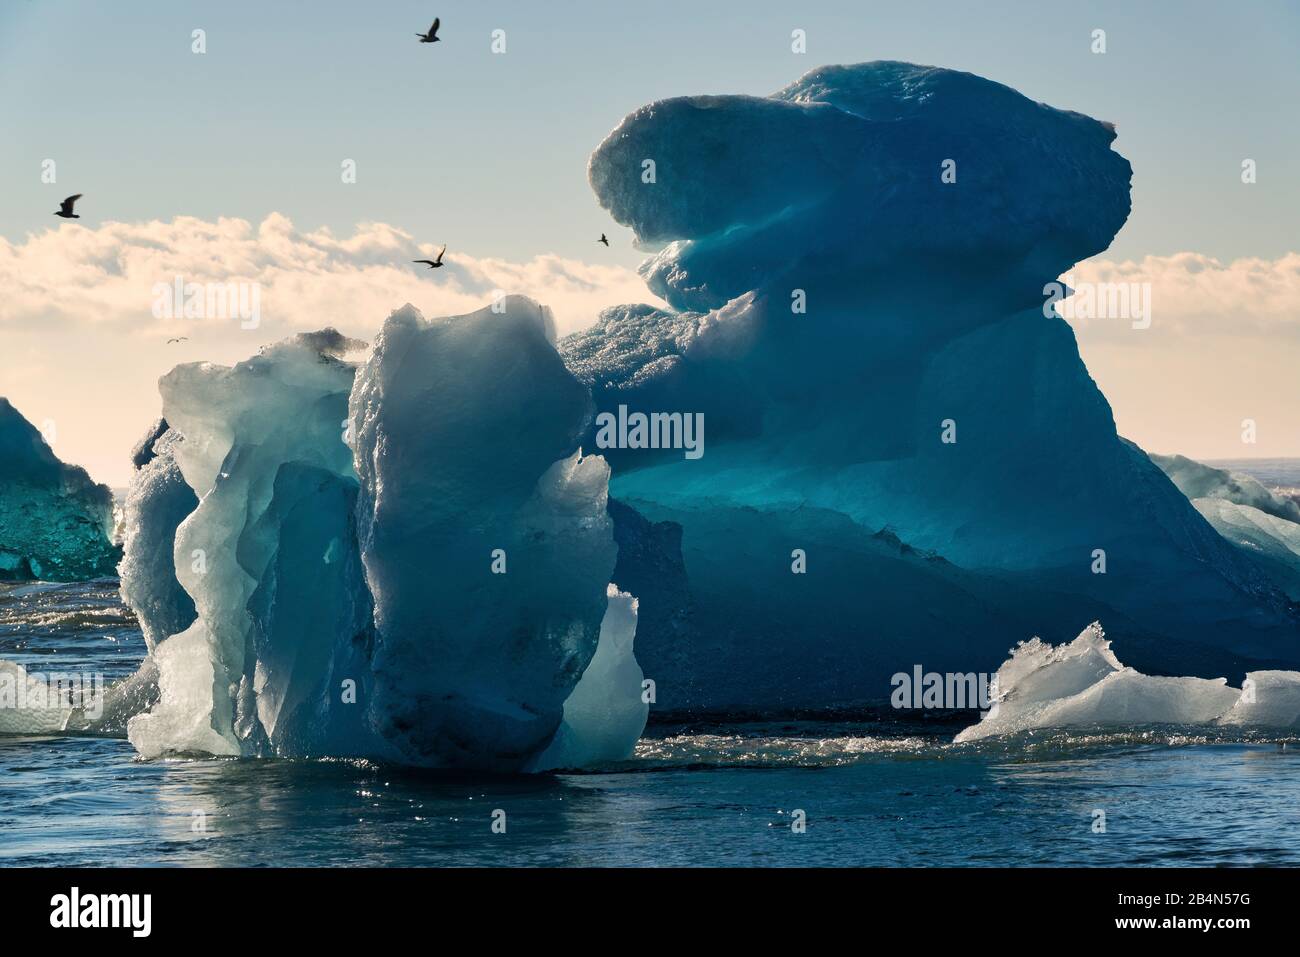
433 263
602 239
178 339
432 35
65 207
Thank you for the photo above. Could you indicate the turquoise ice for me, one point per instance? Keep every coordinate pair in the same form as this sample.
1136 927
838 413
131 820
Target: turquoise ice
56 523
856 266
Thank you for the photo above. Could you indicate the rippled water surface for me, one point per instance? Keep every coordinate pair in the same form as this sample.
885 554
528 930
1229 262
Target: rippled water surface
871 793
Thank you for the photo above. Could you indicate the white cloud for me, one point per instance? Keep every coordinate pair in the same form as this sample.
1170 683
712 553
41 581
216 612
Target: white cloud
1193 294
106 276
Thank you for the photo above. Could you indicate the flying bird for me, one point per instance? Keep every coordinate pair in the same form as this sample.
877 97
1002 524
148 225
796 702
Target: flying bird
65 207
602 239
178 339
432 35
432 263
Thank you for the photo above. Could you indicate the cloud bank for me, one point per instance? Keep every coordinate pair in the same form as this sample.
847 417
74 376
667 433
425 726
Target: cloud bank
107 277
1197 295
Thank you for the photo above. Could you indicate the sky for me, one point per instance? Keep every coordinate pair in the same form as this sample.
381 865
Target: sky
228 163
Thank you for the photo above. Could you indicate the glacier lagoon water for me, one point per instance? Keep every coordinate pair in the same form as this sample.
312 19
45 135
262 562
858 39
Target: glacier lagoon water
874 792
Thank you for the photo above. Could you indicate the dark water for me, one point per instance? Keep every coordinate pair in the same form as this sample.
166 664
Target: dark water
721 795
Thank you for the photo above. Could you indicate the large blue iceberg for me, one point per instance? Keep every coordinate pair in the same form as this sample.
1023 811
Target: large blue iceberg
857 267
852 445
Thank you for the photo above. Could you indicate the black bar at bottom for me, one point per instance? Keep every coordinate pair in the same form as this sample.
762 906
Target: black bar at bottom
342 905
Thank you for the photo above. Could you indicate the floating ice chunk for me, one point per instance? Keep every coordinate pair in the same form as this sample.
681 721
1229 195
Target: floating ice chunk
29 704
1269 699
1038 672
605 714
52 701
1083 684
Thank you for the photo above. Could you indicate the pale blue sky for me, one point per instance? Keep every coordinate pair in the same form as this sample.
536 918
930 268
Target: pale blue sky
489 152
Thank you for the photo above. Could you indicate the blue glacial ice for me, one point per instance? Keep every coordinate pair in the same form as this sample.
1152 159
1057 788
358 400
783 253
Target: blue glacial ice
484 534
839 310
239 425
56 524
371 577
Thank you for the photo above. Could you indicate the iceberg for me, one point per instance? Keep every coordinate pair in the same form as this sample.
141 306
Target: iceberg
1264 525
1082 684
406 558
435 553
56 524
906 458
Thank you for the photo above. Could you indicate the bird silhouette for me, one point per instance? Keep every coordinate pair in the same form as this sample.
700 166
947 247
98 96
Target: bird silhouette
433 263
432 35
65 207
178 339
602 239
